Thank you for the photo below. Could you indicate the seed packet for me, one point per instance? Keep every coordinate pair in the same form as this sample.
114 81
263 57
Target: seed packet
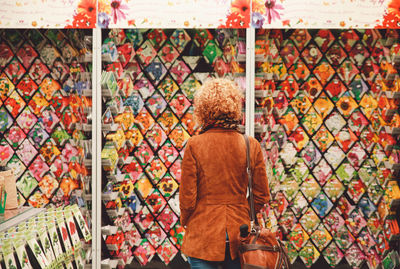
179 104
355 222
155 235
156 104
109 52
365 241
321 237
311 121
48 185
177 233
179 137
289 53
334 155
298 236
311 55
167 186
6 55
144 120
310 188
144 252
309 254
167 120
175 170
355 190
332 254
354 256
311 154
167 251
14 70
26 184
299 205
143 186
155 201
155 170
309 221
334 188
322 172
333 221
343 238
15 136
144 154
8 254
38 71
38 168
168 54
144 219
168 88
188 121
146 53
167 218
20 250
180 39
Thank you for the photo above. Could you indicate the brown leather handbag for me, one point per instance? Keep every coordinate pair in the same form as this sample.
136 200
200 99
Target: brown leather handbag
259 248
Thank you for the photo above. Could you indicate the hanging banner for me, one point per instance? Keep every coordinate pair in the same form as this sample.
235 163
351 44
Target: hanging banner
48 13
325 14
174 13
200 14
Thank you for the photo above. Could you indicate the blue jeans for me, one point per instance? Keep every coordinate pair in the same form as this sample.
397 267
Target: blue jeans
228 263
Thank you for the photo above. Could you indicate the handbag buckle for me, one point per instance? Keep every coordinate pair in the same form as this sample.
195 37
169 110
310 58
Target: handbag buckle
252 227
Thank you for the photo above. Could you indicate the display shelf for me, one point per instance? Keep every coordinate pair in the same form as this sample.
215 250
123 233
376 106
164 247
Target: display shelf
109 127
389 147
390 112
392 130
87 92
13 217
109 196
260 93
87 162
115 212
394 204
109 230
241 57
260 128
109 264
393 166
86 127
392 95
268 76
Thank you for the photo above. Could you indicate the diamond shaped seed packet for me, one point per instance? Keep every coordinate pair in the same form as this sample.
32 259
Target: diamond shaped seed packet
167 251
144 252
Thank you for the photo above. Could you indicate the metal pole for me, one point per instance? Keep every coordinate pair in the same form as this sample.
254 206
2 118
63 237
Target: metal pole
96 150
250 75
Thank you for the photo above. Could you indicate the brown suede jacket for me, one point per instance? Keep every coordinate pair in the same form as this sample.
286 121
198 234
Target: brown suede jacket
213 191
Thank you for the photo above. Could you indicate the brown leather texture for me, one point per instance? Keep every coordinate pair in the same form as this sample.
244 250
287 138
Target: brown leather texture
213 191
262 250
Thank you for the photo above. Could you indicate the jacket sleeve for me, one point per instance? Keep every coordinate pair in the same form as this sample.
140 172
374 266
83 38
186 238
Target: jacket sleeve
260 181
188 187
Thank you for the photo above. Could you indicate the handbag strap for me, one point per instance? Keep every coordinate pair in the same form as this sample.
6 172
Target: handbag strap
250 177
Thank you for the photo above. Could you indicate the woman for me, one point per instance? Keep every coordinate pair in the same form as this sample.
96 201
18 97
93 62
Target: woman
214 182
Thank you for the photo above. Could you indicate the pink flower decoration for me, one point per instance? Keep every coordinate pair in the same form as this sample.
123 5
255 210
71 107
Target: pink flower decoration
272 13
117 10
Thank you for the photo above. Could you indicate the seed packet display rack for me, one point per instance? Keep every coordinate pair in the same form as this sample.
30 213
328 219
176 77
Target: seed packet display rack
45 110
148 80
54 238
327 113
133 196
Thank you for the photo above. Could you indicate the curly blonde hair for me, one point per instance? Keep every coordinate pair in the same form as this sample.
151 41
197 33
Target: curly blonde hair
218 99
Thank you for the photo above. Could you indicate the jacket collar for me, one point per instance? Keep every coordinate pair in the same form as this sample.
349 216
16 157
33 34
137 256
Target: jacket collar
220 130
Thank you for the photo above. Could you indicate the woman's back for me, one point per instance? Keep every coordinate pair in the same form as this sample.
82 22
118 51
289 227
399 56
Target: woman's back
213 191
